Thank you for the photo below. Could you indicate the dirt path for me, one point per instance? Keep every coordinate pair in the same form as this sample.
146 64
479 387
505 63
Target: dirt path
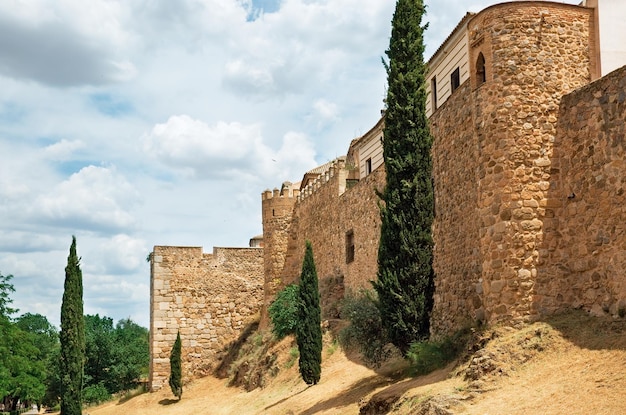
572 365
342 385
576 381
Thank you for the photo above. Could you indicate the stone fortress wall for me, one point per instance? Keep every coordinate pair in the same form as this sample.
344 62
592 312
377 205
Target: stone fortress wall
583 256
500 141
534 53
209 298
326 212
528 167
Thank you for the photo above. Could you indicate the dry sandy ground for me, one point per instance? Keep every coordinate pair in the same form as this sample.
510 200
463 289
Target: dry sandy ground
570 365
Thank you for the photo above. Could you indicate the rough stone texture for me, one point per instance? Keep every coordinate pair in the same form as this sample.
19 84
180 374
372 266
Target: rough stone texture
583 256
208 297
535 53
456 259
492 169
277 211
324 215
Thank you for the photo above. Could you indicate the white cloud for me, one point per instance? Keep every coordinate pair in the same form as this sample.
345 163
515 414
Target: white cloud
303 44
225 150
25 241
63 150
62 43
95 198
325 113
123 254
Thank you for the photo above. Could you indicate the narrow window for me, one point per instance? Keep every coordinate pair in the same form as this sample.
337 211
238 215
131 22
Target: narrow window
481 73
349 246
455 79
368 166
433 91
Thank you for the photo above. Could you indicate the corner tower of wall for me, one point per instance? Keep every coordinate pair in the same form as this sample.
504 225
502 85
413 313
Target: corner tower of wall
277 213
534 53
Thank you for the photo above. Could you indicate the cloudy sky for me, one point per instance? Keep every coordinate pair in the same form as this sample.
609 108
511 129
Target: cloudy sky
134 123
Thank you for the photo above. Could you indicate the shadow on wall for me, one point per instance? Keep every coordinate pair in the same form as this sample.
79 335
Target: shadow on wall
581 258
233 350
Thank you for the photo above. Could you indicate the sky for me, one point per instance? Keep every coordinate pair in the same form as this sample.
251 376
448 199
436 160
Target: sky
135 123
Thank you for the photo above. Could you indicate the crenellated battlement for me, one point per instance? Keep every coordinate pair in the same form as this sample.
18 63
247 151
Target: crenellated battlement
287 190
327 173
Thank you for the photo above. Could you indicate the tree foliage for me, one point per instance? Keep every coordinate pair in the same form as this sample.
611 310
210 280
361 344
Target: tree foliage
25 346
131 355
309 331
6 288
405 283
115 356
284 311
72 336
99 346
365 332
176 370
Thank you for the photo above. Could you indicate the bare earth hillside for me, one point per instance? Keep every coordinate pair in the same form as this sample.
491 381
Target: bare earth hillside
570 364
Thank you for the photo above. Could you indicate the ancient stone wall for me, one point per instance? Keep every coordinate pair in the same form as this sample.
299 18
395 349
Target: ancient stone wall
277 212
530 196
209 298
492 167
535 52
456 260
583 257
326 217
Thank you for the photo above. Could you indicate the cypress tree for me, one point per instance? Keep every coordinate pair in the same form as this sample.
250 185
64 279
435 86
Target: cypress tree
176 370
72 336
405 281
309 330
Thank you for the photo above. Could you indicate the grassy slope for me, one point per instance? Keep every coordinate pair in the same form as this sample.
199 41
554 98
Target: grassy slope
572 364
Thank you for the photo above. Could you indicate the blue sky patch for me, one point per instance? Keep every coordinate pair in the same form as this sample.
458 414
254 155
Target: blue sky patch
11 113
111 105
69 167
263 6
47 140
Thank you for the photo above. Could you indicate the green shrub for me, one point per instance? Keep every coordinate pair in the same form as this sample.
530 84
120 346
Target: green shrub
176 369
95 394
365 332
309 330
427 356
284 311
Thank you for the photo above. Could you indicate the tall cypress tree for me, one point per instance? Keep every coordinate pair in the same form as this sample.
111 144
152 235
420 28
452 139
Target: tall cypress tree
72 336
405 283
176 370
309 330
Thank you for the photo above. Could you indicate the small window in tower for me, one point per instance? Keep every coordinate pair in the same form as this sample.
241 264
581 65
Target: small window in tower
455 79
433 92
349 246
368 166
481 73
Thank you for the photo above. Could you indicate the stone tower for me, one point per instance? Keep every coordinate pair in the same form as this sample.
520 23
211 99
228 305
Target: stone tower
277 213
